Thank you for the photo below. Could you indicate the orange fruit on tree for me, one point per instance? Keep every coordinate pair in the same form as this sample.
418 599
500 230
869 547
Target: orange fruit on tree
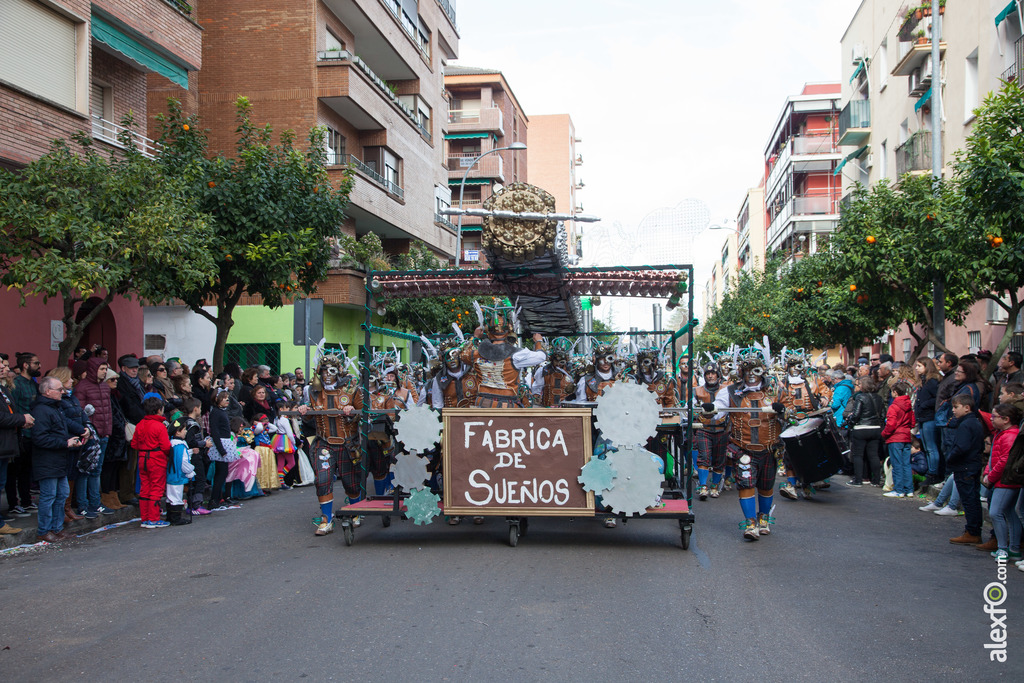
870 239
997 241
211 184
853 288
184 126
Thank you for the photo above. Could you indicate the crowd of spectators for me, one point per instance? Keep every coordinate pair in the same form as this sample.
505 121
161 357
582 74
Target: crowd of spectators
90 438
939 421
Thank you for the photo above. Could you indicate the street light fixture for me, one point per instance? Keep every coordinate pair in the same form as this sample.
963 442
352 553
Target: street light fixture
515 146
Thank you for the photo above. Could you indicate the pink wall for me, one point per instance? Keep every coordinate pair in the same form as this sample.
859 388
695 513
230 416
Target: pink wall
27 328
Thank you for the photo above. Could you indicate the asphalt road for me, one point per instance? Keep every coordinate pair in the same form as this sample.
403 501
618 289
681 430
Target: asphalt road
849 587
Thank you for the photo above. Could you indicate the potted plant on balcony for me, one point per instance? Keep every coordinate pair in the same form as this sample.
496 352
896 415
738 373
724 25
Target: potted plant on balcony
919 37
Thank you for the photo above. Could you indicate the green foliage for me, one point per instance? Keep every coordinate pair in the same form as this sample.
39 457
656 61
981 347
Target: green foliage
78 224
275 215
990 179
432 315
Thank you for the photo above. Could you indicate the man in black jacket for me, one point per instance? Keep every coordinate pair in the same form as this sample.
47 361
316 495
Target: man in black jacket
964 460
129 396
946 363
51 439
10 422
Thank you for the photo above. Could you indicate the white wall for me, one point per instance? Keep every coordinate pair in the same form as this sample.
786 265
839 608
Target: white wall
189 335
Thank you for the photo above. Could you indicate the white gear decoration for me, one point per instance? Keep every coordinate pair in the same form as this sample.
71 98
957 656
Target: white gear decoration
410 471
637 483
419 428
627 414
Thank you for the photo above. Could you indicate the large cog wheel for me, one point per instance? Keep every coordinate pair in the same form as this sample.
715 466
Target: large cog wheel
597 475
421 506
627 414
410 472
419 428
637 484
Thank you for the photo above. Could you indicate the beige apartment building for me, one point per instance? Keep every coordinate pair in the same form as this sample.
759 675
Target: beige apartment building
752 231
889 83
552 165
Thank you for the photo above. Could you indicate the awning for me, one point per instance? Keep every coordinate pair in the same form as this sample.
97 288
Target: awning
466 136
470 181
137 52
1006 12
923 99
472 228
852 155
857 71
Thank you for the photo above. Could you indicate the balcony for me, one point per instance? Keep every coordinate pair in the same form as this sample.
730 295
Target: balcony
855 123
476 121
349 86
805 153
1013 72
366 170
819 212
449 10
915 155
108 132
491 166
915 57
443 220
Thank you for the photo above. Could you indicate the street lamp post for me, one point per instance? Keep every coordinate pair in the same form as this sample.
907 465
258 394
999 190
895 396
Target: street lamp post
462 191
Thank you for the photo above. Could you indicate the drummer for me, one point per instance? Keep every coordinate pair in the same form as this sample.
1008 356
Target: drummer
800 395
712 437
754 434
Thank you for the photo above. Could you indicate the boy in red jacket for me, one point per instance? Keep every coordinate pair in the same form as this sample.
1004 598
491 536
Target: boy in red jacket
898 423
154 447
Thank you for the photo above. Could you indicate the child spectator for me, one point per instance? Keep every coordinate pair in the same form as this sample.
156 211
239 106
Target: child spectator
198 445
179 473
1005 418
154 447
963 459
1013 393
899 420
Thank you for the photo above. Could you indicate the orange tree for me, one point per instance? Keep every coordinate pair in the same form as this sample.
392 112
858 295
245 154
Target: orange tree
274 213
990 182
893 242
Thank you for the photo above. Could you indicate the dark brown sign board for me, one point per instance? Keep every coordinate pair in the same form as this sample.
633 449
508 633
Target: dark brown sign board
516 462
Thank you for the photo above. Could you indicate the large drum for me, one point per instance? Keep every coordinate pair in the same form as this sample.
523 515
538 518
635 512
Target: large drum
813 450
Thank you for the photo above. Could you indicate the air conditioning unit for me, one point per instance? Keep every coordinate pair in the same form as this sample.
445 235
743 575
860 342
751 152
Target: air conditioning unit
915 79
870 161
857 55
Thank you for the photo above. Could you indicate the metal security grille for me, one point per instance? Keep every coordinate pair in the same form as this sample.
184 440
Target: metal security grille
248 355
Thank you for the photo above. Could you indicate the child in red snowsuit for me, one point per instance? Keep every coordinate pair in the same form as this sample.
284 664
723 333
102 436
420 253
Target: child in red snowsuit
154 447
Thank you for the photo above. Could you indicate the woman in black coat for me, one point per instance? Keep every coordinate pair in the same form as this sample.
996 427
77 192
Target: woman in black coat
10 423
865 417
220 454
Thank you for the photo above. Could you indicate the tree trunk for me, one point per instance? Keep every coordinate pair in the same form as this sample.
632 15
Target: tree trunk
74 329
919 344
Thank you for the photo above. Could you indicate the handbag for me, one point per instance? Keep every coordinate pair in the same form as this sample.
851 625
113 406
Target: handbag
129 431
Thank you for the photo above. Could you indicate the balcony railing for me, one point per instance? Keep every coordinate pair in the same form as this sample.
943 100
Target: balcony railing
368 171
463 116
798 145
915 154
489 167
856 115
182 6
108 131
443 220
1013 73
449 9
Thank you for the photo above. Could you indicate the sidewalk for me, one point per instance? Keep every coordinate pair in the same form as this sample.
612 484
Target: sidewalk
28 525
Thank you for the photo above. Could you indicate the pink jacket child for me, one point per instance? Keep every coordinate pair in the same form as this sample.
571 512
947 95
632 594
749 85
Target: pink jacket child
899 421
997 461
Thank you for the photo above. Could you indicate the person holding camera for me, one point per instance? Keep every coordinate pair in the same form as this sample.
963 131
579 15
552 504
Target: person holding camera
52 439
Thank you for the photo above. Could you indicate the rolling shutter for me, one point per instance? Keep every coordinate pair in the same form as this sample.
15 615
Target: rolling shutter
38 50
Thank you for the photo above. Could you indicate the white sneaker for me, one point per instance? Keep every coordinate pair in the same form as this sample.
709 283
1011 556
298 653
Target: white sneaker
892 494
946 512
787 490
930 507
324 528
357 522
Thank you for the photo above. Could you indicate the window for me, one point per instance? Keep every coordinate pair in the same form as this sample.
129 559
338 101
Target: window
334 43
883 159
931 350
1017 343
906 350
39 51
423 38
101 108
973 342
248 355
904 131
391 170
334 145
970 85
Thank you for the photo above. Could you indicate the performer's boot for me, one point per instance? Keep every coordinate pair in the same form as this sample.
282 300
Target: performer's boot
749 507
716 484
764 508
788 490
357 521
326 523
702 481
384 486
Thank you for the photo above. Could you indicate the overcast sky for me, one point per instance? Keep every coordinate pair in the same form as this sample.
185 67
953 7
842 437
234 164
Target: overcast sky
674 99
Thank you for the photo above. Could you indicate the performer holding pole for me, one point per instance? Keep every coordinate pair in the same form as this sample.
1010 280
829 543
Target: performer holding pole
712 438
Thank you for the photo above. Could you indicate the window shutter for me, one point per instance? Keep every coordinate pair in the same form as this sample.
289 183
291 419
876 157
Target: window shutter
38 50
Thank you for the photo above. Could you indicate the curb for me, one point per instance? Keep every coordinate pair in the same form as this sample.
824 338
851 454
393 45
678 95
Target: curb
28 526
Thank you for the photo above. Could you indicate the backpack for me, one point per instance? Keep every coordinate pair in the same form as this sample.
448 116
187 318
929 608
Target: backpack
1013 471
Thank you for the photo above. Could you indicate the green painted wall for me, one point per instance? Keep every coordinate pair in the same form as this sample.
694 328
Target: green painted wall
261 325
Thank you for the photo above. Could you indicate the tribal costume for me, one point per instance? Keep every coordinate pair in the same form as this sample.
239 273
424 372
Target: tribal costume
496 365
799 395
754 434
335 449
712 438
552 382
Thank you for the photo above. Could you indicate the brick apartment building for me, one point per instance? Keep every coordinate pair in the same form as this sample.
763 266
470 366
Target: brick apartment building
484 115
73 65
372 73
